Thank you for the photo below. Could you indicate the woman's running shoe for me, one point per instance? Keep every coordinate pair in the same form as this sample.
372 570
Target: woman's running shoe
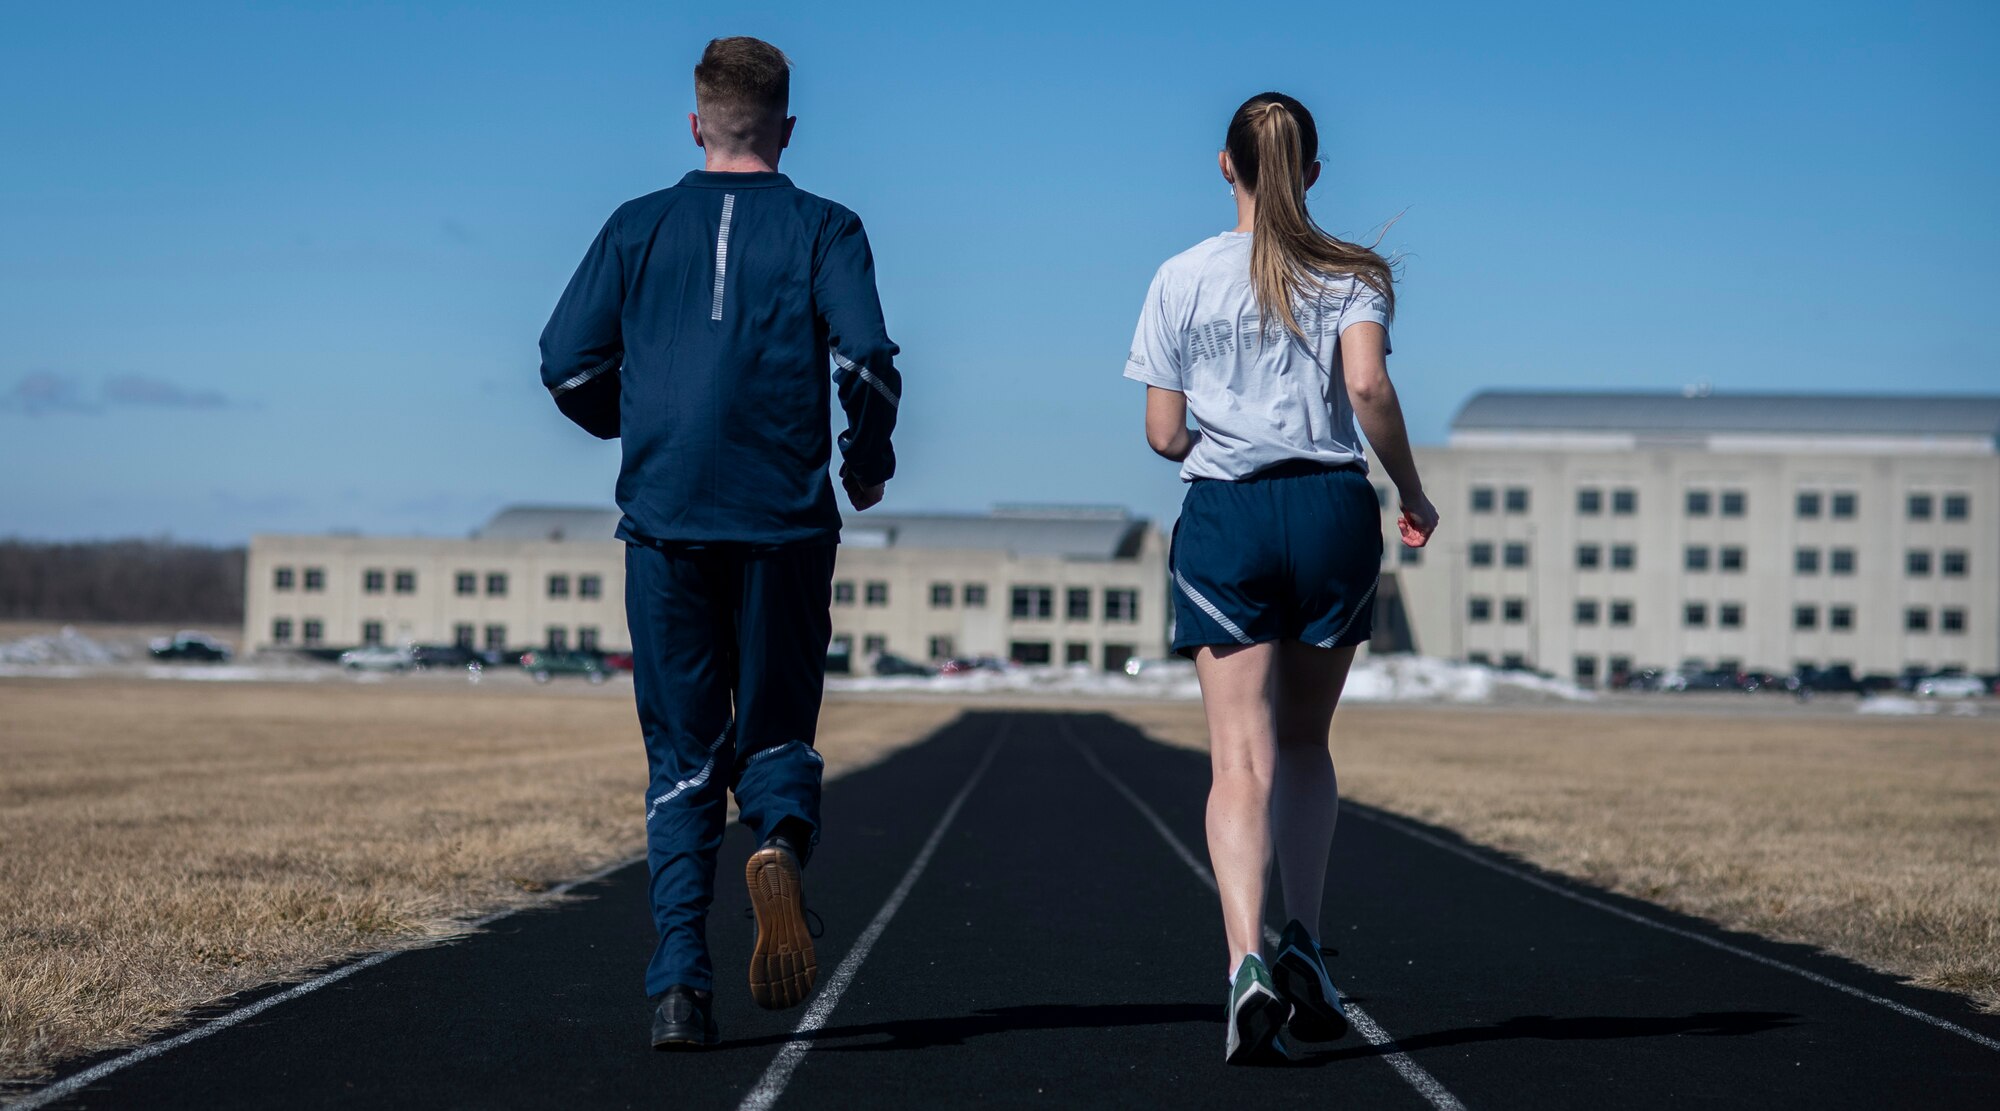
1299 973
1255 1017
783 965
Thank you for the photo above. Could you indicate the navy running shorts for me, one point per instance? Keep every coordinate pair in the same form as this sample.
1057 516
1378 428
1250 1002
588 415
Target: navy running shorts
1290 553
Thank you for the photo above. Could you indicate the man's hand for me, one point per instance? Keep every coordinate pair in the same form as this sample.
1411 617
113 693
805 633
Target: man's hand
1418 520
863 497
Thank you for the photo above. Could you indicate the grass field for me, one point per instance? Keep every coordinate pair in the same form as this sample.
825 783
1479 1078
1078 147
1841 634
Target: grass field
166 844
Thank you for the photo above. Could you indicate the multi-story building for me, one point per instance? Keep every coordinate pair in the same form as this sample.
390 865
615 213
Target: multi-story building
1038 585
1592 533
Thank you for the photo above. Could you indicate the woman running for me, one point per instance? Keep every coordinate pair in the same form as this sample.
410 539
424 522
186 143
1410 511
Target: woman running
1274 335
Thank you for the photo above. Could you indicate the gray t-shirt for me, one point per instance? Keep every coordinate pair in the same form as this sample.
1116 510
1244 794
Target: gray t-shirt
1259 398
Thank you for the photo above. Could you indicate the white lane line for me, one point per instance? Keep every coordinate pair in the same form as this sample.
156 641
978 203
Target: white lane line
1436 1094
1769 962
69 1086
772 1084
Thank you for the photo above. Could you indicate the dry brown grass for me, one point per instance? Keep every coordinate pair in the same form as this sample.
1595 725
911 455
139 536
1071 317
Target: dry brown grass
1875 838
164 845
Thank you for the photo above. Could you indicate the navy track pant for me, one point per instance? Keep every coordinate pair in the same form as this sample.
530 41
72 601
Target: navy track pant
728 663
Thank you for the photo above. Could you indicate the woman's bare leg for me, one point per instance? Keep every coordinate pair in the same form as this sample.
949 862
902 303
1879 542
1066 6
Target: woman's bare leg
1236 693
1305 799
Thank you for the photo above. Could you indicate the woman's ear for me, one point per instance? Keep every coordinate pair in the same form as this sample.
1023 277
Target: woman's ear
1227 167
1312 173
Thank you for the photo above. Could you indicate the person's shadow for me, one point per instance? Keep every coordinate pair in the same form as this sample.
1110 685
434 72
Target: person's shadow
926 1033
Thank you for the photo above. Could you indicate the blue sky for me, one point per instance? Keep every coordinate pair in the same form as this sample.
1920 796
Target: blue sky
282 267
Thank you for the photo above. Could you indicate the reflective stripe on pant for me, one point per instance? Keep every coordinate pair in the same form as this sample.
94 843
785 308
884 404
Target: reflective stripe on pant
729 662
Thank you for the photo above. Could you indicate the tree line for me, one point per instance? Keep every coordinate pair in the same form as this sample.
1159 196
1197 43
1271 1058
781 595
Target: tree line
151 581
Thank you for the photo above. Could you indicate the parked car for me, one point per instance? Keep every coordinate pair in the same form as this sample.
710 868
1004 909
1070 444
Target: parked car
965 665
378 657
1838 679
433 657
1876 682
889 664
1951 686
543 665
1644 679
617 661
1754 681
189 645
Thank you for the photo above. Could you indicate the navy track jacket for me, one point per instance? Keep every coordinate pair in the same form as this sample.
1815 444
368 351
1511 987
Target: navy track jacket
699 329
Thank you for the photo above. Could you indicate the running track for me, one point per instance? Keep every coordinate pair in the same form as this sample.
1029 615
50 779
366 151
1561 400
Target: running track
1018 912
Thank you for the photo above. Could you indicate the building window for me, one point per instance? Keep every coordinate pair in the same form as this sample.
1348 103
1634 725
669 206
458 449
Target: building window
1843 505
1695 615
1076 652
1624 502
1586 671
1695 558
315 631
874 644
1619 665
406 582
1621 612
1121 605
1698 503
1916 619
940 648
1482 499
1033 602
558 586
1116 656
975 596
315 579
843 593
1479 610
1919 506
1514 610
1408 556
496 638
1733 503
1840 561
371 632
1590 501
372 581
1587 557
1957 507
281 578
281 631
1952 564
496 584
1516 554
1729 558
1480 553
1805 618
557 638
1951 620
461 635
1586 611
1029 651
586 638
1481 659
1624 557
1808 504
590 586
1840 618
1917 563
1076 603
876 593
1514 661
1729 615
1517 499
467 583
941 596
1805 561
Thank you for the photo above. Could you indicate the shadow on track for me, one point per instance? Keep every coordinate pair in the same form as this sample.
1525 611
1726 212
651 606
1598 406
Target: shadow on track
927 1033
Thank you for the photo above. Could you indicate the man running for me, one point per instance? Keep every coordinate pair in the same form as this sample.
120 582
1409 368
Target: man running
699 330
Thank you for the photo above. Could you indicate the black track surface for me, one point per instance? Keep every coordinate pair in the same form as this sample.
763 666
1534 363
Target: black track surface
1057 952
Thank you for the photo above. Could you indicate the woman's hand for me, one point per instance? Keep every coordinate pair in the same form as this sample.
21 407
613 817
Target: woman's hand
1418 520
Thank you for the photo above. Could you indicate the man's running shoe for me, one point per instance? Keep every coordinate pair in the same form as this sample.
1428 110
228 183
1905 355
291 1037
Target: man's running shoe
782 966
1300 975
682 1020
1256 1015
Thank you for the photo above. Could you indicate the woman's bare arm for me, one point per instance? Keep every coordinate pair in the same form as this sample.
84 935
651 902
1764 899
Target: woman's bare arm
1364 364
1166 423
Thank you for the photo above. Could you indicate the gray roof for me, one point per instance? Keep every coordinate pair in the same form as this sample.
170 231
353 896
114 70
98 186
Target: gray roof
1702 413
1076 532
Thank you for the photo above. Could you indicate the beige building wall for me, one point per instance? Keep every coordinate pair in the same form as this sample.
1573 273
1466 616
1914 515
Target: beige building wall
1897 613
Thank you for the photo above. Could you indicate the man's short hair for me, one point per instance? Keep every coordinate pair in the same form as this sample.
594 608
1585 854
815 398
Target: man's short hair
742 89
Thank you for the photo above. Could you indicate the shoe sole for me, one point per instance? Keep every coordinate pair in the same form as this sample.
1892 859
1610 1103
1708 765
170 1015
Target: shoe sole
783 966
1297 980
682 1043
1257 1027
